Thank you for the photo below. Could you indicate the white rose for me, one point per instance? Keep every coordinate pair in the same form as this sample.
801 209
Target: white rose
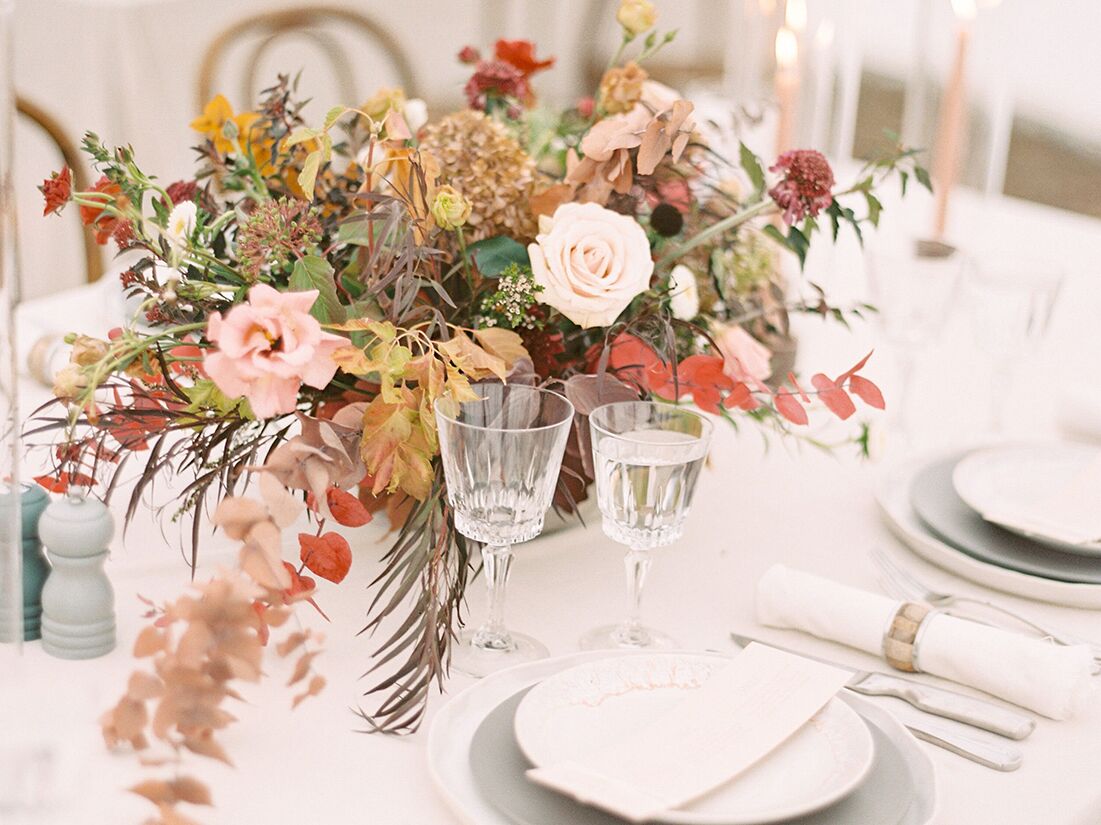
591 262
684 293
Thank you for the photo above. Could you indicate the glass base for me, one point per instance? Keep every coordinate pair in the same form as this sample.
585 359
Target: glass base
615 636
481 660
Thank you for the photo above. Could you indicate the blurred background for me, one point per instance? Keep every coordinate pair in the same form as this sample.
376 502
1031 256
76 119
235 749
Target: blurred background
138 71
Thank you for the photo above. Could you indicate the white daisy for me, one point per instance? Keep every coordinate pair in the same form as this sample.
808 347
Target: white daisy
684 294
181 222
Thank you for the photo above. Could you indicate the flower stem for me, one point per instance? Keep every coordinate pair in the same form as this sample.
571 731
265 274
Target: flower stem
760 208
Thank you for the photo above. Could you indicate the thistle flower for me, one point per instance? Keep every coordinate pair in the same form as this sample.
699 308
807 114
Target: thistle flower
276 233
805 188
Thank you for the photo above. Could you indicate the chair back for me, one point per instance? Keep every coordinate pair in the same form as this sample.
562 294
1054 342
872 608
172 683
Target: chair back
324 29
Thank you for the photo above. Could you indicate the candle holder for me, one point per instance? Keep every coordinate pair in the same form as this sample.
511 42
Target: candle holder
32 501
78 604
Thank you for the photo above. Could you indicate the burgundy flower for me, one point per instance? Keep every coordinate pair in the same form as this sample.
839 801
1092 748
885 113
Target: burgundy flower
181 191
469 55
497 79
57 189
805 189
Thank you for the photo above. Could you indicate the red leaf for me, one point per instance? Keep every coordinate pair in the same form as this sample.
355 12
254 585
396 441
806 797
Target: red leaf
329 555
835 398
790 408
867 392
632 360
854 370
63 481
798 388
346 508
739 397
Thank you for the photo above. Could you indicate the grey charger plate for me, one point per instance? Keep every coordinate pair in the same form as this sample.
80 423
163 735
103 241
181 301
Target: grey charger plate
888 796
948 517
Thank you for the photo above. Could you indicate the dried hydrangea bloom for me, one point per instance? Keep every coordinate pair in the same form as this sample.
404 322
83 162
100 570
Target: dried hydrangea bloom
806 187
621 88
478 157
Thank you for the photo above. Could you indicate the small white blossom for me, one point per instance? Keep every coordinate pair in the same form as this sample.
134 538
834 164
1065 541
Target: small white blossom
181 222
684 294
415 114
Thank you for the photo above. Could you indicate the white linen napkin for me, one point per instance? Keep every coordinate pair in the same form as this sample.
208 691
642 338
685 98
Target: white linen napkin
739 716
1053 680
1071 512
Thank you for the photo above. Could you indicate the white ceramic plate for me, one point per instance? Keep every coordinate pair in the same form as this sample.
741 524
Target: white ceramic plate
1002 482
454 725
594 704
893 498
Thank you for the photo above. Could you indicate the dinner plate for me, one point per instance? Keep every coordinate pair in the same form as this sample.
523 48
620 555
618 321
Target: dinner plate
595 704
899 790
1005 483
949 518
893 499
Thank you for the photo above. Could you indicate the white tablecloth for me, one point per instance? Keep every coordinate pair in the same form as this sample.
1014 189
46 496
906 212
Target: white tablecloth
801 508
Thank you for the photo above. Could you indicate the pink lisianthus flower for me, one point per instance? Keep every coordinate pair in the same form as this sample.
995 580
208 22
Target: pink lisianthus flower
745 358
268 348
806 187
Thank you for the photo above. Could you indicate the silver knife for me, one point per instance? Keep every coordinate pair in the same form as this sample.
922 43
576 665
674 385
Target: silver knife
934 700
961 740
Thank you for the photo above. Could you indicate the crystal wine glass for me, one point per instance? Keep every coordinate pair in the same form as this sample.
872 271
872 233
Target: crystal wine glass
1010 302
646 458
501 457
912 286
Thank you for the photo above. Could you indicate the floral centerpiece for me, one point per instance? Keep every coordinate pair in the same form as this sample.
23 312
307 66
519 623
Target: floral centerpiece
305 300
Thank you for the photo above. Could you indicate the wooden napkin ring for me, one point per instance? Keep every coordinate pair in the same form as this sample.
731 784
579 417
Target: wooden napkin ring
900 642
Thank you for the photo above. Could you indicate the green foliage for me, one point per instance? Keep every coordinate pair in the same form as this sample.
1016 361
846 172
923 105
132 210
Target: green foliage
314 272
493 255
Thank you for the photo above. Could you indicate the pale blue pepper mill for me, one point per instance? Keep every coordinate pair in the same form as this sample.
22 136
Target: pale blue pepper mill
78 604
32 502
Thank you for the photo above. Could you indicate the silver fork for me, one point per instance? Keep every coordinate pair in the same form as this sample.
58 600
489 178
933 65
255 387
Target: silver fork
902 584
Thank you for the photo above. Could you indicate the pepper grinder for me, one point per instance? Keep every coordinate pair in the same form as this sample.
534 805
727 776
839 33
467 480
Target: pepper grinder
78 604
33 501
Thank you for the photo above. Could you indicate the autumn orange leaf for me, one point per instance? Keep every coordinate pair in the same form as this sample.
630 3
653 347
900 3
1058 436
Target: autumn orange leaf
790 408
328 555
346 508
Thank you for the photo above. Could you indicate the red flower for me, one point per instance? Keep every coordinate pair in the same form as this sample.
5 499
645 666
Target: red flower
57 189
586 106
469 55
805 189
103 223
521 54
495 78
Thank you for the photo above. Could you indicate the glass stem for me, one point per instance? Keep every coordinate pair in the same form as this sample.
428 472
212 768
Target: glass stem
637 564
496 564
907 358
1001 382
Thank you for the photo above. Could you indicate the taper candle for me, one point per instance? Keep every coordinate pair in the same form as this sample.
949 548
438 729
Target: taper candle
950 132
787 87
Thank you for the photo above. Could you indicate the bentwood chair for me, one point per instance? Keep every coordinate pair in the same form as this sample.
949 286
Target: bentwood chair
321 27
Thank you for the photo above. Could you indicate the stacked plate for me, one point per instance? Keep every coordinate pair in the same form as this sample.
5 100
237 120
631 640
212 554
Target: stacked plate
976 514
851 763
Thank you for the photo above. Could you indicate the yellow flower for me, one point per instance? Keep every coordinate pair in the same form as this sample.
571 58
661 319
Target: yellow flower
449 208
636 16
212 122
